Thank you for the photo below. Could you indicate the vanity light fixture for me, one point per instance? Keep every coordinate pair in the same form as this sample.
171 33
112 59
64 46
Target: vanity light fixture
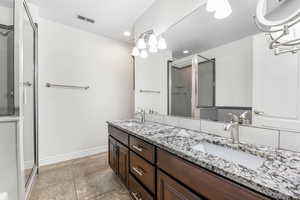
152 40
148 42
221 8
162 44
135 51
144 54
153 49
141 44
127 33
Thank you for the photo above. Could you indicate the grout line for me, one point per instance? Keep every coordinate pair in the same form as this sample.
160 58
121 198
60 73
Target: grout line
73 180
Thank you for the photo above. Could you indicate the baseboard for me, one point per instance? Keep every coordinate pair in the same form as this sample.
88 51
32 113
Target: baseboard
73 155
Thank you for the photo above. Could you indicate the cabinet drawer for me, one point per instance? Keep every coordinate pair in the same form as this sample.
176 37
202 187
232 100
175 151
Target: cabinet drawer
169 189
143 171
202 181
142 148
118 134
137 191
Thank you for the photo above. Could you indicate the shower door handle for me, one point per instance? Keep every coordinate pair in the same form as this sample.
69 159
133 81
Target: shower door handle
27 84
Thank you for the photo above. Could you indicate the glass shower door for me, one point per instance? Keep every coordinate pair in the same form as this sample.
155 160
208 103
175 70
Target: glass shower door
29 102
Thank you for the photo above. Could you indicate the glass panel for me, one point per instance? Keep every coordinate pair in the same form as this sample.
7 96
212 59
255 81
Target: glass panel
6 58
8 163
206 84
181 91
29 86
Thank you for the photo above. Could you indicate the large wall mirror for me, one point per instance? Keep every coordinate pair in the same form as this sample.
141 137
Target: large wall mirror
214 71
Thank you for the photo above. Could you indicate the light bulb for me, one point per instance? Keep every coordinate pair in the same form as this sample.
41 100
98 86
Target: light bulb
152 40
211 5
153 49
162 44
223 9
144 54
135 51
141 43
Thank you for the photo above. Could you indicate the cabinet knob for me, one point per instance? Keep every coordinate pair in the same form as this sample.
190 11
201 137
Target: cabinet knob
138 148
140 172
257 112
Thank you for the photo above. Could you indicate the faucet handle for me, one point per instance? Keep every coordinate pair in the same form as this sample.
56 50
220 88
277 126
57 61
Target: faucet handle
234 117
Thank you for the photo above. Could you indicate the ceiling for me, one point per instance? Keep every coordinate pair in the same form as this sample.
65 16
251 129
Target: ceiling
200 31
112 17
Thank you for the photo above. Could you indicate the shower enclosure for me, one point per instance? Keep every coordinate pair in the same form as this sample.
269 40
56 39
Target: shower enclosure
6 70
18 100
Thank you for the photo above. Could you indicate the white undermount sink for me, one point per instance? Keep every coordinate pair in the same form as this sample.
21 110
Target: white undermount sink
239 157
131 124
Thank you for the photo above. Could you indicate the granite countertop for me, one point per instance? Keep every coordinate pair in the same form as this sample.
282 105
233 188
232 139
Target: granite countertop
278 176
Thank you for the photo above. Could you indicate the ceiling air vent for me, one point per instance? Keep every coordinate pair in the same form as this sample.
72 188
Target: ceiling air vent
89 20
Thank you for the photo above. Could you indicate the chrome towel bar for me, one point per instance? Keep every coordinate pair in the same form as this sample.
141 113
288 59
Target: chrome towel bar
67 86
149 91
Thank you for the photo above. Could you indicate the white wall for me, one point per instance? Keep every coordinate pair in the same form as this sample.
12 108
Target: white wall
73 122
164 13
151 74
234 68
6 14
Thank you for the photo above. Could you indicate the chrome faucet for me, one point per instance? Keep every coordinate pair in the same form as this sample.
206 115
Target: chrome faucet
233 127
142 114
243 118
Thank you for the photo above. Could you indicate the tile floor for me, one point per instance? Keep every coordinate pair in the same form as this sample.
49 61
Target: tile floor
88 178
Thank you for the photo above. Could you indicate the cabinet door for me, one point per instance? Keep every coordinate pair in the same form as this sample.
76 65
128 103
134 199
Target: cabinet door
169 189
123 157
276 87
112 154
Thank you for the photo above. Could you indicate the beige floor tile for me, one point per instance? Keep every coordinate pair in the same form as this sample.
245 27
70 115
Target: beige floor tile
97 184
88 178
55 176
64 191
115 195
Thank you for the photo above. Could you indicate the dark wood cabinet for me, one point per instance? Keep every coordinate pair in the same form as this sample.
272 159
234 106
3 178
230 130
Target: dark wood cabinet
202 181
123 162
112 154
152 173
169 189
119 159
137 191
143 171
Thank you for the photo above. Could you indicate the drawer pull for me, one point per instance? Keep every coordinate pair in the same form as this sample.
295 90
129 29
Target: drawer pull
138 171
140 149
135 196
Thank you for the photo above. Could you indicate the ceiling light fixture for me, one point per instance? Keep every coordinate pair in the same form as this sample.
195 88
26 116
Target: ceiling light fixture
127 33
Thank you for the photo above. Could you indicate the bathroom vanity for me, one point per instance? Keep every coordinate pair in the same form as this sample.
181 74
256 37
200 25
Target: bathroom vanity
156 161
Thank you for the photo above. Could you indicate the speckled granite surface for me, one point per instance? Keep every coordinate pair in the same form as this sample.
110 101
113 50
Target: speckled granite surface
278 176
